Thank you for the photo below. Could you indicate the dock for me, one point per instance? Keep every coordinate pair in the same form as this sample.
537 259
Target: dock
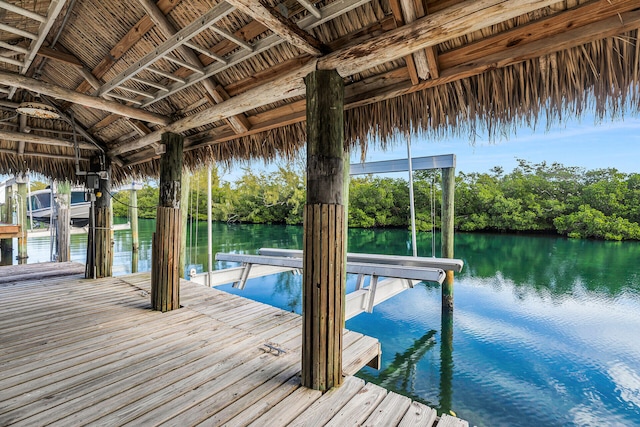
92 352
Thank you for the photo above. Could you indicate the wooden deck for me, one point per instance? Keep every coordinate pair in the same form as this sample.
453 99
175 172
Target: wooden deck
78 352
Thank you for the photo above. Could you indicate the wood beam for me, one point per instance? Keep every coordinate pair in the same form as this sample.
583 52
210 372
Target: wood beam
59 56
55 7
30 138
428 31
165 48
396 10
412 10
566 40
239 122
279 25
131 38
49 89
394 83
45 155
287 86
537 30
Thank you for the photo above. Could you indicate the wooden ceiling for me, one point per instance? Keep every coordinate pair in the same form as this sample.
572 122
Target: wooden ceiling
229 75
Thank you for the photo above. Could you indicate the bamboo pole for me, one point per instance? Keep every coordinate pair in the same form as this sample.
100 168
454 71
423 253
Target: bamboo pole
324 254
448 213
165 275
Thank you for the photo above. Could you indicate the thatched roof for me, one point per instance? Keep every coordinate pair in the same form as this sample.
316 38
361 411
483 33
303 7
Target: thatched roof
231 81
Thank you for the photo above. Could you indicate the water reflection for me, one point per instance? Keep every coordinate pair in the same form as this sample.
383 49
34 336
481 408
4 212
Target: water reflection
553 265
545 329
289 287
400 374
446 361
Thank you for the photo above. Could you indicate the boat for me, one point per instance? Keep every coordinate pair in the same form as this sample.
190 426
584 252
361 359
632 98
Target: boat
40 207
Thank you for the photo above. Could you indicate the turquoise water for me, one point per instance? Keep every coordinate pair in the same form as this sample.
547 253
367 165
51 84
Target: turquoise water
546 331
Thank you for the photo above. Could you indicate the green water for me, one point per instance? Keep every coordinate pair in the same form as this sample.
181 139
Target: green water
545 330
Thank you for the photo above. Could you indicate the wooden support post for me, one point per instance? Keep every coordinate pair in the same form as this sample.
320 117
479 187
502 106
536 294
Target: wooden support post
63 232
133 215
448 214
6 252
104 241
324 252
165 276
99 242
21 210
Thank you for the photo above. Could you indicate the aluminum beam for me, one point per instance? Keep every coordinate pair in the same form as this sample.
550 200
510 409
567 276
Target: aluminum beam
407 261
382 270
402 165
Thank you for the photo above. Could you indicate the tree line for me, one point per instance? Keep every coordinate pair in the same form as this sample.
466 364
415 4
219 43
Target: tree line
541 197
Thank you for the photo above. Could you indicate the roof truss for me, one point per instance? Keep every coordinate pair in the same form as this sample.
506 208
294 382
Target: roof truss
29 54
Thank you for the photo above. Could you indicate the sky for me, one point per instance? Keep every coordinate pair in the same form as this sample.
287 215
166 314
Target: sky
578 143
581 143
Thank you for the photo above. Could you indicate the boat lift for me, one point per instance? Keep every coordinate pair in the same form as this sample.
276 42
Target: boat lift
399 273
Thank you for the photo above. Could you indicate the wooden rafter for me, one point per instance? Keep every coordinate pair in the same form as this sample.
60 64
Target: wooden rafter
395 44
134 35
279 25
239 122
55 91
21 138
164 49
397 82
55 7
226 46
45 155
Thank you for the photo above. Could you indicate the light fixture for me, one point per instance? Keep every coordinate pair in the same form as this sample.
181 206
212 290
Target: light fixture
38 110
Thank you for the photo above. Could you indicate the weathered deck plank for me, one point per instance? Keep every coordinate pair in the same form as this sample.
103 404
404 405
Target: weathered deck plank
92 352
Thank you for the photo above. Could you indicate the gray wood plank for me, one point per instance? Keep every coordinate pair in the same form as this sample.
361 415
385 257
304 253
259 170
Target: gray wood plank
447 420
358 409
418 415
389 412
288 408
329 404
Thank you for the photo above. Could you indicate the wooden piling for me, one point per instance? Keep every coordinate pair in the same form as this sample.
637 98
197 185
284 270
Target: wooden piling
324 254
133 215
6 245
165 276
22 180
99 241
448 214
63 232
